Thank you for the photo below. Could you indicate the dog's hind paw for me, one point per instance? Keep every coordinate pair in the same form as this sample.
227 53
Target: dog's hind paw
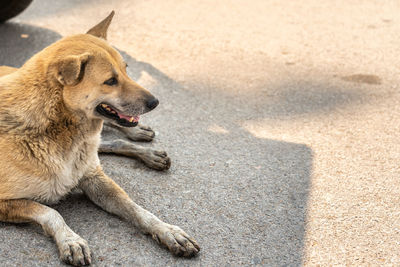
75 251
176 240
156 159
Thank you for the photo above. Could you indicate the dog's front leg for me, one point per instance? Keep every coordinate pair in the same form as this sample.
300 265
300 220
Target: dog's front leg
103 191
141 132
73 249
154 159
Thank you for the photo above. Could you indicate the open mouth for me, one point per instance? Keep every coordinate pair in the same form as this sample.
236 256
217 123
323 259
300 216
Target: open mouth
109 112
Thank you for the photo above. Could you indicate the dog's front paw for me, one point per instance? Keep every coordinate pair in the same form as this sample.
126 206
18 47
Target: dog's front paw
156 159
177 241
140 133
75 251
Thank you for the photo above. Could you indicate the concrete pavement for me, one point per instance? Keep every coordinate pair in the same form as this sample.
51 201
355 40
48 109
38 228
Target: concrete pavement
281 119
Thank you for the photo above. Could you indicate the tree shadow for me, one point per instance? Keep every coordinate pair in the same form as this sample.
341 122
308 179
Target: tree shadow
243 198
291 99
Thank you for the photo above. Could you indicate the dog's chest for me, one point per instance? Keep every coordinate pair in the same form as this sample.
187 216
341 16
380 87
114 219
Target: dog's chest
69 169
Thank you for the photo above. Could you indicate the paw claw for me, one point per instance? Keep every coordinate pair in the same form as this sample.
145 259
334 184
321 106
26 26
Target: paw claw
161 153
144 127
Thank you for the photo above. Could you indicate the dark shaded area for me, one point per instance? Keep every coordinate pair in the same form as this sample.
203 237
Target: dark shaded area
291 99
11 8
19 42
243 198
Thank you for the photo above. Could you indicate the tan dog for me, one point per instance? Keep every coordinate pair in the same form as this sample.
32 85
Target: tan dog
51 118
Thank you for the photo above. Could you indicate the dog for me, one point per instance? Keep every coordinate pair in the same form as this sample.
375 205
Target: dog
51 118
152 158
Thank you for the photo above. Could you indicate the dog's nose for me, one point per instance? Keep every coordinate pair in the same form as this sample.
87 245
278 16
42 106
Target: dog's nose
152 103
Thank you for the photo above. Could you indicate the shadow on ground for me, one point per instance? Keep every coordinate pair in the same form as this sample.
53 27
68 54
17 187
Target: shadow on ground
243 198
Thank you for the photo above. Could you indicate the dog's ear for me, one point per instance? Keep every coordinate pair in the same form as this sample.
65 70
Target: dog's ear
70 70
100 30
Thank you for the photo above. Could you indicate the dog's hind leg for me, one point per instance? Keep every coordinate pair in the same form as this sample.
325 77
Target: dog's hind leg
103 191
140 133
73 249
154 159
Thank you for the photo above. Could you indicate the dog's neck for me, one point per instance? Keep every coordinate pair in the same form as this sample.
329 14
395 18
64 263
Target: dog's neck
35 106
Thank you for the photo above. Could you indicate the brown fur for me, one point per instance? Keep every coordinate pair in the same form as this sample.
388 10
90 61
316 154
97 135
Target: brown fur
155 159
50 135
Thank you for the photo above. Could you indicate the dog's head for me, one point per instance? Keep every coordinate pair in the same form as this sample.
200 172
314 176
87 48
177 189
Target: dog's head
94 78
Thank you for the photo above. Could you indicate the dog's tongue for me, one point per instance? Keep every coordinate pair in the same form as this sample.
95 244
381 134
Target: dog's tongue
129 118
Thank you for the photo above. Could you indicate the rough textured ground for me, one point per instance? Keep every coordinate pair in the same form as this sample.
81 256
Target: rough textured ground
281 118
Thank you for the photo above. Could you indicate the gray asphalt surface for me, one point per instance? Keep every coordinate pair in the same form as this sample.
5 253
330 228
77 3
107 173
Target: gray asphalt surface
280 118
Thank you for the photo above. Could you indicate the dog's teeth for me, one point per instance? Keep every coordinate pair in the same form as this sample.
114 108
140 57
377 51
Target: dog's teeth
104 105
131 119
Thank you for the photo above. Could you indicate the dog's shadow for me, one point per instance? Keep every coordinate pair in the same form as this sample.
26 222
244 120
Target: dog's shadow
251 213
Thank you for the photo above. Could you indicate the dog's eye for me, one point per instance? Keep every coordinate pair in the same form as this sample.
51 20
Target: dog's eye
112 81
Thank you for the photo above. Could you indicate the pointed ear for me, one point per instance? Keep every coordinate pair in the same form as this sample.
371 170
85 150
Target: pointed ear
100 30
70 70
